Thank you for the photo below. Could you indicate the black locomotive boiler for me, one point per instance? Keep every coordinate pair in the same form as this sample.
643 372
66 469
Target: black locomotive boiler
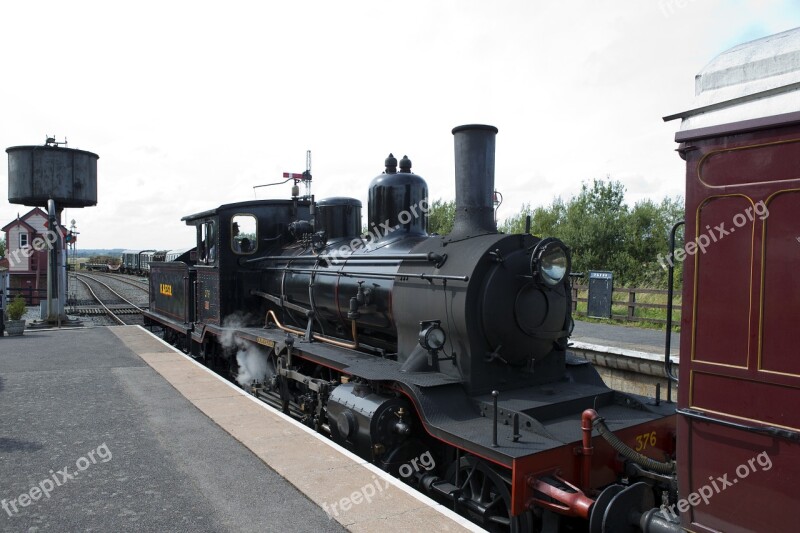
398 343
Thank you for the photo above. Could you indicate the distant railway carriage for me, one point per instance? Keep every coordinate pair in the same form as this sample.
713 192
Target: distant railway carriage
145 258
182 254
138 261
130 261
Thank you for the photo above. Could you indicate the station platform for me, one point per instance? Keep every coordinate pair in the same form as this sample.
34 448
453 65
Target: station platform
628 358
628 338
109 428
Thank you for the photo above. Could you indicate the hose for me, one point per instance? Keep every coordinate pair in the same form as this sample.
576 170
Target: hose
630 453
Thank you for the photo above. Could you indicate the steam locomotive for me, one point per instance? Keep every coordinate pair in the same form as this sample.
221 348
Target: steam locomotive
398 343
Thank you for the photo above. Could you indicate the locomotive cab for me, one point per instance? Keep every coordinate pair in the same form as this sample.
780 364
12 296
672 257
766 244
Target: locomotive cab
229 238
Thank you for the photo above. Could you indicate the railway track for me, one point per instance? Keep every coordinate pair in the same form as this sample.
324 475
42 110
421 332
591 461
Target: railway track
124 278
110 303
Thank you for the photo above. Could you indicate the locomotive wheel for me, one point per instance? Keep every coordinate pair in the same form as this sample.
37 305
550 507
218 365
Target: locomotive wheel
485 498
403 454
169 336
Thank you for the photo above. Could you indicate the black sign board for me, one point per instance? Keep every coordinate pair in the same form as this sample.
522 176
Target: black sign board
601 286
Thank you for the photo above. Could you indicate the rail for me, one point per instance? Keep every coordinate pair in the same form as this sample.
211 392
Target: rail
141 285
108 311
628 304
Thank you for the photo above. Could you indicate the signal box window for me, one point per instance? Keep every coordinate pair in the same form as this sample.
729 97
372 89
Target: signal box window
244 234
23 240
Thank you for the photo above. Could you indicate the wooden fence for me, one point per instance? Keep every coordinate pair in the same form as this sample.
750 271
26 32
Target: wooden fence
628 304
32 296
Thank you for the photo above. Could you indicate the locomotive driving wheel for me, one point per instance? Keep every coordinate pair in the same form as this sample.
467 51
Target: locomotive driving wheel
484 497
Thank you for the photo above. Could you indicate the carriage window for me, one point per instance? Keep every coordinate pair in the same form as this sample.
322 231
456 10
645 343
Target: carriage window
244 234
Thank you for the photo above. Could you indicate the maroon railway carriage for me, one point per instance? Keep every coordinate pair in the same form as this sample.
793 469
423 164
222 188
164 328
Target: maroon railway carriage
738 417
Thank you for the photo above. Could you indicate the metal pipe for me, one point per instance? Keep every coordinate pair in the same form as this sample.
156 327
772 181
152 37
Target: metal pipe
495 394
587 423
515 435
315 336
430 257
458 473
670 291
52 274
654 521
185 297
565 501
378 275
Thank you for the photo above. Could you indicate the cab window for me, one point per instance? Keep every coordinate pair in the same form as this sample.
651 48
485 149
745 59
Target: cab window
244 234
207 237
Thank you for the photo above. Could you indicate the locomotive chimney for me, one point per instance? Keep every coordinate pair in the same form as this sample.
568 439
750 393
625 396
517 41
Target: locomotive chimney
474 155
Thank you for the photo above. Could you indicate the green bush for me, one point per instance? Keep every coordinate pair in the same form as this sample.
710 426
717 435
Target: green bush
16 309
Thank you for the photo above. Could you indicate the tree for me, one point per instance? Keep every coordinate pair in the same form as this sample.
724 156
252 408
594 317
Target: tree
549 221
516 223
605 234
593 225
441 216
2 247
545 221
646 235
600 229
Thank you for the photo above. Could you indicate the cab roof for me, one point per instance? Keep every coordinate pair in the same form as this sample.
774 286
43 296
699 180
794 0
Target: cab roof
237 206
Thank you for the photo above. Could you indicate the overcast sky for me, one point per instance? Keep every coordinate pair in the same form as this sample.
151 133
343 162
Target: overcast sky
189 105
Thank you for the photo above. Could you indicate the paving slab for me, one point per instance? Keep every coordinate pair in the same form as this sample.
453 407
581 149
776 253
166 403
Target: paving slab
348 489
93 438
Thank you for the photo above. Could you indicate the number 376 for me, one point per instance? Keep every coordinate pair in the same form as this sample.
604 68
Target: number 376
648 440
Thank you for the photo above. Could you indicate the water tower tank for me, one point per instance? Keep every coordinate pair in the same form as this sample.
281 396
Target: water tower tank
39 173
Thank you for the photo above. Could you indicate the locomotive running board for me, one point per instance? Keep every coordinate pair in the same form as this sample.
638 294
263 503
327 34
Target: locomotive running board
549 413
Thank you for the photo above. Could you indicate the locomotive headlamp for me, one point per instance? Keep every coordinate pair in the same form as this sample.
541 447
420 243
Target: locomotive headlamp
550 261
431 335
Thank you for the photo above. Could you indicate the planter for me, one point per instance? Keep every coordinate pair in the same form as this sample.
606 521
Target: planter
15 327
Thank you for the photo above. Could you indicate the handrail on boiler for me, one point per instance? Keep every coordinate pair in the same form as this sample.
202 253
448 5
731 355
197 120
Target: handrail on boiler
316 336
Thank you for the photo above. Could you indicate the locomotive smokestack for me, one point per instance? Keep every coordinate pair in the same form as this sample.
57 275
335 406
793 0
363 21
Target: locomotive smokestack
474 154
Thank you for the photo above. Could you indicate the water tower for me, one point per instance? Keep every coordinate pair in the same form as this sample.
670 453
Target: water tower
53 177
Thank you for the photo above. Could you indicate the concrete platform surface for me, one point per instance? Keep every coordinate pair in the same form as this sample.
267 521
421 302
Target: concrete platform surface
625 337
111 429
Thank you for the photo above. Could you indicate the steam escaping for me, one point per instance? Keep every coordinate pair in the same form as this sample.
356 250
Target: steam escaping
230 324
253 359
253 363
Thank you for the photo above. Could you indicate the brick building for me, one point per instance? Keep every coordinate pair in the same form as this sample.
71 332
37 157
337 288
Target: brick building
26 253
